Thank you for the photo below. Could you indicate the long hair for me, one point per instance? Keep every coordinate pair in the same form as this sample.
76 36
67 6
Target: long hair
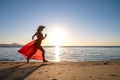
40 27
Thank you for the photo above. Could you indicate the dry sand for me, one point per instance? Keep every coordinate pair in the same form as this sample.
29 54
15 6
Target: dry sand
60 71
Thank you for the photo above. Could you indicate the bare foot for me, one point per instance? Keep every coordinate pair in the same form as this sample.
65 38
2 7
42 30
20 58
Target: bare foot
27 60
45 61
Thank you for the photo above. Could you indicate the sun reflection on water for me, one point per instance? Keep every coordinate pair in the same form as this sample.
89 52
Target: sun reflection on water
57 53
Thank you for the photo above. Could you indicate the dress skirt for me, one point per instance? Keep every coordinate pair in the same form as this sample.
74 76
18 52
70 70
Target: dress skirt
31 51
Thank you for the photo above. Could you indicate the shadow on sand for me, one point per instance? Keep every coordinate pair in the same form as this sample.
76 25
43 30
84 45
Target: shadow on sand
19 72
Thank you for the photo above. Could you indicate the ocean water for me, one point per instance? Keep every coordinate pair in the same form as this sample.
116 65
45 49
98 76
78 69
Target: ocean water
71 54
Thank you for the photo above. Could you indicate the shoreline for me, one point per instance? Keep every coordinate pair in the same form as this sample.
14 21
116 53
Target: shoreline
87 70
31 60
59 62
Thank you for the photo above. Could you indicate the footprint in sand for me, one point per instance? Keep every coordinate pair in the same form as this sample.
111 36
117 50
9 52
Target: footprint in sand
54 79
73 78
113 75
40 72
48 76
59 73
11 64
90 76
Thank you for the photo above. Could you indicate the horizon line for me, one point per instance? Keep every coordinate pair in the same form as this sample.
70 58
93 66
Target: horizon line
17 44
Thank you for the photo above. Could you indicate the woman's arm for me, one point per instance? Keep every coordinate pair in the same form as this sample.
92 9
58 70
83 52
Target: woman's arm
34 36
45 36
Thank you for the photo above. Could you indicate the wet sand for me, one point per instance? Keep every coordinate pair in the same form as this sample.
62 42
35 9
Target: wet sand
60 71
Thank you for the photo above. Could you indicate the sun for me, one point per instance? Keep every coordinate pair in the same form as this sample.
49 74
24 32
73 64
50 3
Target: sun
57 36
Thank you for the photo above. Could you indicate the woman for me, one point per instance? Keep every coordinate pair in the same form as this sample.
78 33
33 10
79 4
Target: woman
34 49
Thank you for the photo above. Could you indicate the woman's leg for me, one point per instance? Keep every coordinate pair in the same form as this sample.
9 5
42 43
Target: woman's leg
43 54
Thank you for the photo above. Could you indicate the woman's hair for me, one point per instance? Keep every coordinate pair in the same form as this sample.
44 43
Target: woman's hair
40 27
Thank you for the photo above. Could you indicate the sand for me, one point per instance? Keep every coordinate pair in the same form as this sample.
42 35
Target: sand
60 71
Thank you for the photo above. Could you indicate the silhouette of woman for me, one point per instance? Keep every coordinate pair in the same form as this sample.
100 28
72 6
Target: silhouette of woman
34 49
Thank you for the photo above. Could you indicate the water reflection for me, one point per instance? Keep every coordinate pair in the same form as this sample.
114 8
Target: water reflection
57 53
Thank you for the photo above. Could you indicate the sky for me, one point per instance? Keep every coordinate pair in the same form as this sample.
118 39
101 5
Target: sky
81 22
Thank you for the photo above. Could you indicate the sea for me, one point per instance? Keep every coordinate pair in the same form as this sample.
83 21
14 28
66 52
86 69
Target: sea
67 53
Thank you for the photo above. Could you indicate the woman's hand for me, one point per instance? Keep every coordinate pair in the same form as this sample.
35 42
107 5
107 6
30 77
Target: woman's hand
32 37
45 35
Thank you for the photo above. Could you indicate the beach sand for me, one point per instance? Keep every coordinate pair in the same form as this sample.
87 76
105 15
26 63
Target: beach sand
60 71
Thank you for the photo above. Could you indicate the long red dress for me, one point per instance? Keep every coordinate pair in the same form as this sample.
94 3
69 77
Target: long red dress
30 50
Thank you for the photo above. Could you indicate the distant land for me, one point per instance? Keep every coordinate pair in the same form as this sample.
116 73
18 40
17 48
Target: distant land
11 45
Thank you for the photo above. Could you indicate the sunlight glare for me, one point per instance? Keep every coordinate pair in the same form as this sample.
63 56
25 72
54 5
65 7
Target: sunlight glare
57 53
57 36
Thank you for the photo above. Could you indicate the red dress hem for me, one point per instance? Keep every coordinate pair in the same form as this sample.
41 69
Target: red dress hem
31 51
